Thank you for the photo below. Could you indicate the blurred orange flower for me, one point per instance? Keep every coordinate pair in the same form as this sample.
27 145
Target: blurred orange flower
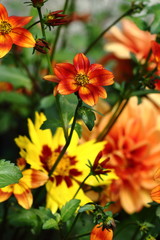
155 193
134 149
82 77
11 32
98 233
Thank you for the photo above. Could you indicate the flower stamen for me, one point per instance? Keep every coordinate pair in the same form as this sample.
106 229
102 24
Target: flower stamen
5 27
82 79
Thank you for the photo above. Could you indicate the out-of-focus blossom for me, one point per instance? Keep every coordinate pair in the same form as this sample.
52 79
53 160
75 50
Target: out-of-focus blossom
98 233
31 179
6 86
41 46
55 18
41 153
155 193
134 149
11 32
84 78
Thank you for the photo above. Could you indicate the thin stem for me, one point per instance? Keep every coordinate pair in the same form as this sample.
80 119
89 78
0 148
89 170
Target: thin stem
68 140
81 235
33 24
81 185
128 12
71 228
58 33
41 22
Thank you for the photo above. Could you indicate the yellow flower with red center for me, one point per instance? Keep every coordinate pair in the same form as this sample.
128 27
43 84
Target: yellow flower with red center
11 32
83 78
31 179
133 145
155 193
98 233
41 153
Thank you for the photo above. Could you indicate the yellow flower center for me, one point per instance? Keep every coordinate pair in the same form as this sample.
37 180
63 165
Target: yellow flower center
50 17
5 27
82 79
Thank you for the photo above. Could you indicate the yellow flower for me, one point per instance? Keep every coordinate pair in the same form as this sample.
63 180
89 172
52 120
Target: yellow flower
41 153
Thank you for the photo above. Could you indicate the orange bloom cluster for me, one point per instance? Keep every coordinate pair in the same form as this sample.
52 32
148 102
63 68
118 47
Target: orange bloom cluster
11 32
134 149
155 193
83 78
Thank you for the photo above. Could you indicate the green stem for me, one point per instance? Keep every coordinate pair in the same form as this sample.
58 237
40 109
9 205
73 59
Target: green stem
119 109
69 138
71 228
33 24
58 33
81 235
81 185
128 12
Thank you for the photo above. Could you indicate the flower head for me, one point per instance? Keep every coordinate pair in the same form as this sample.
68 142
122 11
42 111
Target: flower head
155 193
11 32
41 46
41 153
55 18
100 233
83 78
133 145
31 179
38 3
100 167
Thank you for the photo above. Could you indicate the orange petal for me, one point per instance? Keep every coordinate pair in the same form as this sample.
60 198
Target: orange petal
101 77
34 178
23 195
22 37
5 193
5 44
88 95
3 13
99 234
18 21
157 175
94 67
155 194
51 78
156 50
101 92
81 63
64 70
67 87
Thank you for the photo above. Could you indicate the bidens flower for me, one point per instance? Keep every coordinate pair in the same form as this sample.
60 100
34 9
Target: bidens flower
11 32
31 179
98 233
83 78
41 153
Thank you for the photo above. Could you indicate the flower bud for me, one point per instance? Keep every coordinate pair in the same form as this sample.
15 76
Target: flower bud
41 46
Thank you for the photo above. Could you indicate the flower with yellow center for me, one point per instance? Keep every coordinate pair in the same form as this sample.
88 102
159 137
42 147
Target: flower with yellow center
41 153
11 32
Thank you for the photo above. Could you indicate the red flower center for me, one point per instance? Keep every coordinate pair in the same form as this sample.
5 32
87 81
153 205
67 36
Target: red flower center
5 27
82 79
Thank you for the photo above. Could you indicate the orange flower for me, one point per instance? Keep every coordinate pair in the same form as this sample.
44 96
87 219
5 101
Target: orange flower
98 233
155 193
11 32
84 78
31 179
134 149
6 86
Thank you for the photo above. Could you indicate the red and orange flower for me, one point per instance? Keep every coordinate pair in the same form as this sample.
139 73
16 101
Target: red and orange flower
155 193
83 78
22 191
11 32
98 233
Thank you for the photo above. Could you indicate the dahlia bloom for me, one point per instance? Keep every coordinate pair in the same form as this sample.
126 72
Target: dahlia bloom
31 179
41 153
155 193
82 77
134 149
98 233
11 32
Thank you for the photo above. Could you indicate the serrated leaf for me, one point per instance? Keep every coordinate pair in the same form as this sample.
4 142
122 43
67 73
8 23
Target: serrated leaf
87 207
69 209
50 223
9 173
88 116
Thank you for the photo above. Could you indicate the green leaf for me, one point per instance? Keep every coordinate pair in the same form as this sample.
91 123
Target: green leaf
88 116
9 173
158 212
87 207
47 101
144 92
43 213
14 97
78 129
50 223
15 76
69 209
